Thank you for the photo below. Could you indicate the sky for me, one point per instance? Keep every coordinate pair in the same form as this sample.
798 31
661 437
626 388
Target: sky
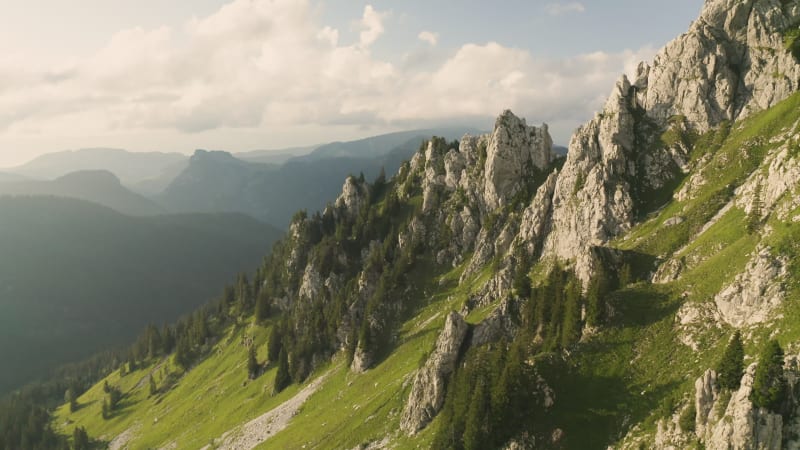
242 75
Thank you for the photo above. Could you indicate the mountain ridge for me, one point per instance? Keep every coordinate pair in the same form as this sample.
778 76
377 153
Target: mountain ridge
491 296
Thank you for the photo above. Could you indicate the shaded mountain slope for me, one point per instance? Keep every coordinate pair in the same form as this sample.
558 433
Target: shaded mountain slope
101 187
76 278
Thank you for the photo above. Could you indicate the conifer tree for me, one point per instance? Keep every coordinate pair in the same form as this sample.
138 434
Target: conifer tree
252 362
476 427
754 218
106 410
282 377
595 297
731 366
625 277
571 329
769 384
71 399
153 387
274 344
80 439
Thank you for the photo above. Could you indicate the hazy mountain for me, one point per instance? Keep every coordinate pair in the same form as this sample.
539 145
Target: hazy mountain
380 145
76 277
98 186
7 176
274 156
218 181
130 167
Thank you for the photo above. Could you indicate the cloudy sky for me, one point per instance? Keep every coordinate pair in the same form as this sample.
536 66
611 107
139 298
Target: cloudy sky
263 74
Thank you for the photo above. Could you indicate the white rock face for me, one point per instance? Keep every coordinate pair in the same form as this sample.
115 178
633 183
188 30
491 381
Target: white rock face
741 427
756 292
311 284
535 218
427 393
514 149
729 64
352 198
693 319
591 199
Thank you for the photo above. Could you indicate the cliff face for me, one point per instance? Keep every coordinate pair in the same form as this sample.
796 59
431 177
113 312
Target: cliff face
731 62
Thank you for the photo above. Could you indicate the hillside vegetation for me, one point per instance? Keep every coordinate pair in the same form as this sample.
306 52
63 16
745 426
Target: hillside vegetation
76 278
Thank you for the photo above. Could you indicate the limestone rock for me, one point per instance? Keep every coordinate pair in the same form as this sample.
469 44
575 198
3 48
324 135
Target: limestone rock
352 198
514 149
536 216
428 391
754 293
591 200
311 284
729 64
742 426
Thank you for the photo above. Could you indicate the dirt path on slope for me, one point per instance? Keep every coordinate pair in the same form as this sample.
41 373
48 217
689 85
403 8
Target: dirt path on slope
121 441
267 425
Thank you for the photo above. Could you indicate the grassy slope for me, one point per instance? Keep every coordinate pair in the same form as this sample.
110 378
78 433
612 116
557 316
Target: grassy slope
214 397
637 371
631 374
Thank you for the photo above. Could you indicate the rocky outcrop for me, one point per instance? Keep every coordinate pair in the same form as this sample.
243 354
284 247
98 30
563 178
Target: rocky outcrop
513 151
730 63
352 198
737 425
756 292
592 198
535 218
723 422
427 393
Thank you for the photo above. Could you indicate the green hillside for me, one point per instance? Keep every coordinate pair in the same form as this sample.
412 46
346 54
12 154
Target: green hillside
76 278
627 376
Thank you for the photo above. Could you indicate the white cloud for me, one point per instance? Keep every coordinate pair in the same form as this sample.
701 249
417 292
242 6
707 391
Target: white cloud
372 26
267 65
429 37
557 9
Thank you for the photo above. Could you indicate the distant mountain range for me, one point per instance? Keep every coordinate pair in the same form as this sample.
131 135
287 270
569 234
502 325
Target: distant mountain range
98 186
76 277
217 181
269 185
131 167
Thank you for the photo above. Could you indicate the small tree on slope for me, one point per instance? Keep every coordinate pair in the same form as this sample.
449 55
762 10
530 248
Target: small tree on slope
769 385
731 367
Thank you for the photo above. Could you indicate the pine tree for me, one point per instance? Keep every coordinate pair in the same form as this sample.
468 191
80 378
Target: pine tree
71 399
106 410
182 353
769 384
80 439
476 428
522 282
625 277
571 328
756 208
252 362
274 344
262 306
282 377
731 367
595 298
153 387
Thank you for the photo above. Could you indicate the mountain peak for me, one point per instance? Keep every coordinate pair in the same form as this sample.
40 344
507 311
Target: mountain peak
91 177
732 62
